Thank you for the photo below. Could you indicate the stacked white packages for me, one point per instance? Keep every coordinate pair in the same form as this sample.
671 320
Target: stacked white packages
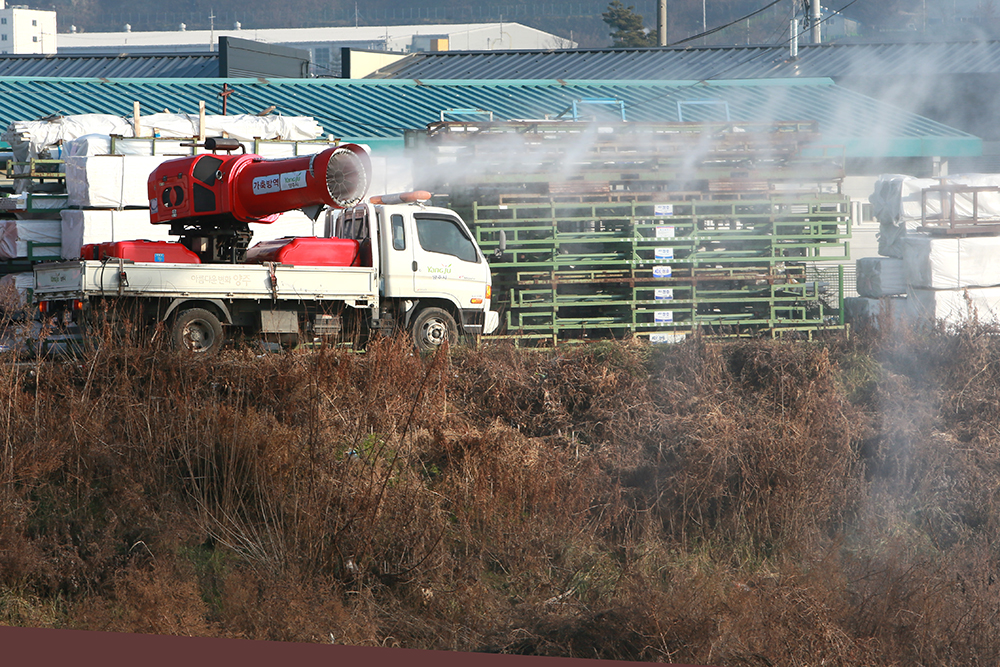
898 204
955 306
80 227
952 263
110 181
880 276
899 198
17 238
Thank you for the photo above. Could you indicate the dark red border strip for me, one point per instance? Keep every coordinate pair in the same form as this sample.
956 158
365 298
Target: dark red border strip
43 647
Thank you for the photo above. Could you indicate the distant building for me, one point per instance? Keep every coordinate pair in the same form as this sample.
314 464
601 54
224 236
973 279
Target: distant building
24 30
324 44
837 26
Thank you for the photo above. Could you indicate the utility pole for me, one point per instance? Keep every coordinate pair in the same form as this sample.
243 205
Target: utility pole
814 20
661 22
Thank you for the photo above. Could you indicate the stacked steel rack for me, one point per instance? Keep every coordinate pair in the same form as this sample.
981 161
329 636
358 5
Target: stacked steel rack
650 230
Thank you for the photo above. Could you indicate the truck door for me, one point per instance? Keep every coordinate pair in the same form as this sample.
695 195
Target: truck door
445 258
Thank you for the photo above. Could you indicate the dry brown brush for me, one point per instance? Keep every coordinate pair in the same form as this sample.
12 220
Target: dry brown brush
751 502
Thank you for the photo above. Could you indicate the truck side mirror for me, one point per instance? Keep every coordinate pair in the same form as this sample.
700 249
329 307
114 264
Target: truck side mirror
498 253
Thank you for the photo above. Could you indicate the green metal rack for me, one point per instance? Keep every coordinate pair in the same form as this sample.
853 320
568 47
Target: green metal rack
664 269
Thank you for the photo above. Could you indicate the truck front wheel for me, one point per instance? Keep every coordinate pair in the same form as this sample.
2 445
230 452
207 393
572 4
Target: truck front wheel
197 330
432 327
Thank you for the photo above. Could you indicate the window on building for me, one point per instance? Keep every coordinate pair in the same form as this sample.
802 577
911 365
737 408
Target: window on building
34 22
3 21
34 38
3 38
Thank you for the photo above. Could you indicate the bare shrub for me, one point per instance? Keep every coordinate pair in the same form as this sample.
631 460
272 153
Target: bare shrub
745 502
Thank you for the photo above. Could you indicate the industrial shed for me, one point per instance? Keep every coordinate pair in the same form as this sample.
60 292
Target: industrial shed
955 83
380 111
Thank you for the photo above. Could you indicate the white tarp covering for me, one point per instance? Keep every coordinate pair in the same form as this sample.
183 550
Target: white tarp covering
101 144
29 139
15 236
952 263
241 126
110 181
897 204
80 227
898 198
954 306
880 276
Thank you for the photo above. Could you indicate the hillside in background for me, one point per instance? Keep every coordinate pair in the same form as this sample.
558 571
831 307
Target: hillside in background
753 502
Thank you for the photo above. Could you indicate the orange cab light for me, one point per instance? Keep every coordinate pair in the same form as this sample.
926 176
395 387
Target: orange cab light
77 304
43 306
489 291
476 300
402 197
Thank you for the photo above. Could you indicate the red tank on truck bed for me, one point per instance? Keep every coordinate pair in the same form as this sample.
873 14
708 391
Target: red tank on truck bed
141 251
306 251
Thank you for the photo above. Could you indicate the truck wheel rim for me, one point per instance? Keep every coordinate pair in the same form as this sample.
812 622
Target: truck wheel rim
435 332
198 336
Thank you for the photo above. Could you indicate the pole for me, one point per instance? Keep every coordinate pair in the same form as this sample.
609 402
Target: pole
661 22
815 10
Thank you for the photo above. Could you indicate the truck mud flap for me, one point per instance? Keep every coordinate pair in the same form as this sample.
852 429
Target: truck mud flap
472 320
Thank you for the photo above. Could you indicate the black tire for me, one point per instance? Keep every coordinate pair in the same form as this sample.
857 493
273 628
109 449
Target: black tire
431 327
197 330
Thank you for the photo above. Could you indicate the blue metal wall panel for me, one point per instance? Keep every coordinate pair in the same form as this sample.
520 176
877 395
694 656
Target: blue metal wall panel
385 109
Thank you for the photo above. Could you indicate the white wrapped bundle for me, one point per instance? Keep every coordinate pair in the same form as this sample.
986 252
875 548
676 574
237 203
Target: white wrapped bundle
110 181
18 236
80 227
954 306
880 276
898 198
952 263
898 204
240 126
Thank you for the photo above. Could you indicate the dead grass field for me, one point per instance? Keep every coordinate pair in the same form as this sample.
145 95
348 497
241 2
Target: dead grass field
738 503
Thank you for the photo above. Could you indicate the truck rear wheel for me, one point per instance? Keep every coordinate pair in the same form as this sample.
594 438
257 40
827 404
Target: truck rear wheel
197 330
432 327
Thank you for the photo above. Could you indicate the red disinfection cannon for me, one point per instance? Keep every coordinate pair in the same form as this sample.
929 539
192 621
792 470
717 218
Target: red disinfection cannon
209 199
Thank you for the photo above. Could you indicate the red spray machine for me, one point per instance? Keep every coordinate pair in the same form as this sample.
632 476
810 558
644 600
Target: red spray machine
209 199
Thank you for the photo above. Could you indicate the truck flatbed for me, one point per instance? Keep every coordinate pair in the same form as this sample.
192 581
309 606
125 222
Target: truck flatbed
81 279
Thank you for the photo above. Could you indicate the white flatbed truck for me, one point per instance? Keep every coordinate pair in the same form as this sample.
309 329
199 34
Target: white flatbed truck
420 271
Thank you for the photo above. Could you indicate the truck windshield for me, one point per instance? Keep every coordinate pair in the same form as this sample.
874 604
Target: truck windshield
445 235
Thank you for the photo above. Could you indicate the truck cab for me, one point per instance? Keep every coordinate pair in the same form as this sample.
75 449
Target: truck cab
433 278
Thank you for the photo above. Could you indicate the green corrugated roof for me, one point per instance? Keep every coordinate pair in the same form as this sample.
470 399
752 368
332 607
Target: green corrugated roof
379 110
